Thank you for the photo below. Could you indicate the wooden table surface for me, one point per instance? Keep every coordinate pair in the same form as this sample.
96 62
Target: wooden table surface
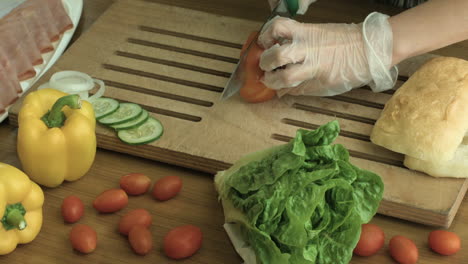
52 246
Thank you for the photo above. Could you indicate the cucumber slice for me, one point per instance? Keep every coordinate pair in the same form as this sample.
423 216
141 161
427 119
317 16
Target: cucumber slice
133 123
125 113
104 107
147 132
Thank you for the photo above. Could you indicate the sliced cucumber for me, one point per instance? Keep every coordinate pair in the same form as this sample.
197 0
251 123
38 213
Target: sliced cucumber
125 113
133 123
147 132
104 107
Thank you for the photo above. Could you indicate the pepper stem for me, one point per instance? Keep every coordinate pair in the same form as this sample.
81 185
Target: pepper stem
14 217
55 117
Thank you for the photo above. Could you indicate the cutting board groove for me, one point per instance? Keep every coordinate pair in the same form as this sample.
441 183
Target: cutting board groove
175 63
318 110
143 90
182 50
165 112
192 37
354 153
310 126
163 78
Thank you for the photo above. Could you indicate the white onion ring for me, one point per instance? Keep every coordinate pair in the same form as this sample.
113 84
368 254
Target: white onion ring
75 82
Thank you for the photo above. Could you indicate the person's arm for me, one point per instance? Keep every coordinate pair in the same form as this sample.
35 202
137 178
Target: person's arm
329 59
427 27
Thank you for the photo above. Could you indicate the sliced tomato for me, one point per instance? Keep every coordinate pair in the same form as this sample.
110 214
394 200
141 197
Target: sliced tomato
254 91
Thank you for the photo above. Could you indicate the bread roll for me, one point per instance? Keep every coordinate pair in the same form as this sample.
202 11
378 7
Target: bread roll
427 118
456 167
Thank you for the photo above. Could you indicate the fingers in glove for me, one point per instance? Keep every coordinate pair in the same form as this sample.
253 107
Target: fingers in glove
280 55
276 30
291 76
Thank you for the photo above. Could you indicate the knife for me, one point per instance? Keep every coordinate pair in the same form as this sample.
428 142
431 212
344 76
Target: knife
285 8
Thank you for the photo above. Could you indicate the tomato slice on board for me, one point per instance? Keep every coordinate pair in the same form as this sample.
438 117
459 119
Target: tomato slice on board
254 91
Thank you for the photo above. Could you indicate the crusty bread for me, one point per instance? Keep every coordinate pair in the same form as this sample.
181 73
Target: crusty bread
456 167
427 117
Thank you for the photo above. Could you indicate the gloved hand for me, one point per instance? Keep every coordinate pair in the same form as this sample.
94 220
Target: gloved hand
327 59
303 5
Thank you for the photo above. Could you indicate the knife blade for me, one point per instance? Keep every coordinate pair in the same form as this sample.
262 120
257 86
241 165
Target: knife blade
285 8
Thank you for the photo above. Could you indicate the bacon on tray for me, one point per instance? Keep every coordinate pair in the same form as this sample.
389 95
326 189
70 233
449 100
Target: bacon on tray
12 51
61 18
44 11
10 70
36 25
22 39
26 33
8 91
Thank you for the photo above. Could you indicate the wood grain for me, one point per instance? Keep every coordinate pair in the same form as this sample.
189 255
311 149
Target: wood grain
196 204
176 66
52 246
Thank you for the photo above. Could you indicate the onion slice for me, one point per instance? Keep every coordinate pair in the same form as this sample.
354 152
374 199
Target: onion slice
75 82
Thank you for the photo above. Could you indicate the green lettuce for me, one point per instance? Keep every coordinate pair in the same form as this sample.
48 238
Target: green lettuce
301 202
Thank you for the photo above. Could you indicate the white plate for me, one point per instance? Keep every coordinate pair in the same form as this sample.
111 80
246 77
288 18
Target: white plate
74 9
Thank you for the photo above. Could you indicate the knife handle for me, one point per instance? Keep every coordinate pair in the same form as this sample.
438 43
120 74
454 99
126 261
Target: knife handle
293 6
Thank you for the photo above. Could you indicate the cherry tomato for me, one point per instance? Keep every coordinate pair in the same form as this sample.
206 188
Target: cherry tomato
140 239
182 242
111 201
135 183
167 187
372 240
134 218
444 242
403 250
72 209
83 238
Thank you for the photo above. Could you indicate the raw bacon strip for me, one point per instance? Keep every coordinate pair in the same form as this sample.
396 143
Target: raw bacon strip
45 15
7 91
34 24
17 30
61 18
14 52
10 70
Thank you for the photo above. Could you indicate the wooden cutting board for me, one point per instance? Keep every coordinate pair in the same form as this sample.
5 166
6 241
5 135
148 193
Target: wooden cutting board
175 62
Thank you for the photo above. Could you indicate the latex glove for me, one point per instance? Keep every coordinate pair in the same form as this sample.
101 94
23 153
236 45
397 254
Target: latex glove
327 59
303 5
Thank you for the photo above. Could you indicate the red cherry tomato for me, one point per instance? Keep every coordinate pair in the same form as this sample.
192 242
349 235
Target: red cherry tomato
72 209
111 201
140 239
372 240
167 187
182 242
403 250
135 183
444 242
83 238
134 218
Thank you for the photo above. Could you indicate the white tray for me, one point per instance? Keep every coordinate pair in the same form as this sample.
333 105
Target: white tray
74 9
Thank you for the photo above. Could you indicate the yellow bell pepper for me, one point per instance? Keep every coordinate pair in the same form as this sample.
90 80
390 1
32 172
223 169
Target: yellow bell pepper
21 203
56 137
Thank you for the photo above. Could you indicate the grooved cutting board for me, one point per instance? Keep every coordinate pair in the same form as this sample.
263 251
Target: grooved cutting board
175 62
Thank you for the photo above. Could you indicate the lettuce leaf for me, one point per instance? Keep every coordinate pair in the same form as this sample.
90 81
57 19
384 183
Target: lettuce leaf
302 202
